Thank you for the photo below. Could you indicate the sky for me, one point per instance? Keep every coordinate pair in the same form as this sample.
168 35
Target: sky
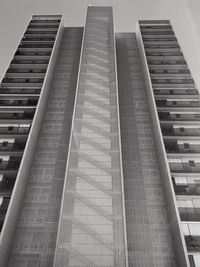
183 14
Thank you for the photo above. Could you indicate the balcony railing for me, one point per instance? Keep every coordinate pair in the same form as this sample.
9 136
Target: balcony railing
182 146
12 129
24 61
35 53
15 102
6 186
161 46
169 71
37 45
39 70
172 81
166 62
182 130
178 103
175 91
3 210
12 147
156 27
180 165
20 115
12 164
190 214
41 32
193 243
35 91
164 54
190 189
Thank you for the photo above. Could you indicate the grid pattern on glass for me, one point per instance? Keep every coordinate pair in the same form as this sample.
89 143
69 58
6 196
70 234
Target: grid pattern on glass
91 229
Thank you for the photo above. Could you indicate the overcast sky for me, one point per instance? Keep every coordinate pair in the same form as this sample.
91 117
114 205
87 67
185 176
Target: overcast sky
184 16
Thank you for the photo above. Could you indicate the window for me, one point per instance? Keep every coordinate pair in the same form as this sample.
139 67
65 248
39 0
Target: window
186 145
5 143
192 163
182 130
10 128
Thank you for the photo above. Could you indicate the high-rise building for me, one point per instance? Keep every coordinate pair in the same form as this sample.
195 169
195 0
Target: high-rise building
99 148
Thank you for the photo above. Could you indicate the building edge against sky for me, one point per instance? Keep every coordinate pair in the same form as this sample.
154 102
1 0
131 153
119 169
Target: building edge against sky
93 188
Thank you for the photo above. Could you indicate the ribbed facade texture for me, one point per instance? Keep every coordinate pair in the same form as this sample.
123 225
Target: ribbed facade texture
99 147
148 234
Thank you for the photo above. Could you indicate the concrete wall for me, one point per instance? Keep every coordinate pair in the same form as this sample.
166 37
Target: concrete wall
174 218
14 208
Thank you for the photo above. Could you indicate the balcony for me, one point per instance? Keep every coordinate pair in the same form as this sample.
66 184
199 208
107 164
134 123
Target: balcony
4 202
179 115
6 185
28 74
28 71
174 81
34 50
20 90
46 28
11 145
160 33
30 61
25 58
39 45
189 214
158 38
19 102
186 189
43 21
21 82
166 62
39 32
38 37
175 91
9 163
180 130
160 43
184 163
161 50
182 146
178 102
161 46
33 26
14 129
170 72
155 27
17 115
164 54
193 244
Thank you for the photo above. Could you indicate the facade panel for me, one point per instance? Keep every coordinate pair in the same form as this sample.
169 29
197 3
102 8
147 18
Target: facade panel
91 231
148 231
35 239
